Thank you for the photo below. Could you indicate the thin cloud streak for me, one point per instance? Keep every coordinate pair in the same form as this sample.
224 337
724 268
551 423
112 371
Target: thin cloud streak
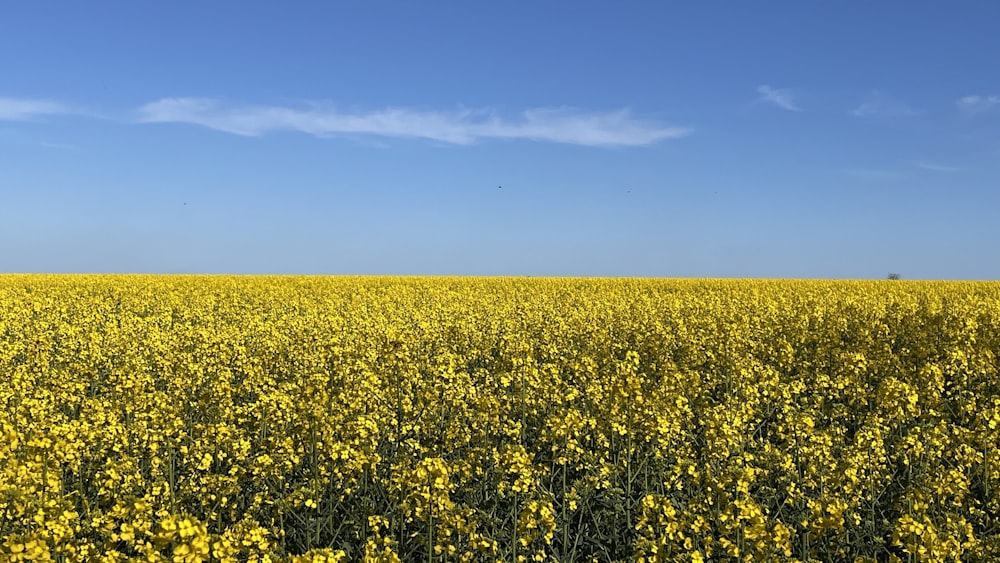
930 166
893 174
881 105
780 97
460 127
26 109
873 173
978 104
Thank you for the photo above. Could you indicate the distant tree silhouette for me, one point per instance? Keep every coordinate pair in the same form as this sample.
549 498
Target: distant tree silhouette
893 276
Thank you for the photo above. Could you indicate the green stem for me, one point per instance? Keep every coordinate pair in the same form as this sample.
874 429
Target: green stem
565 524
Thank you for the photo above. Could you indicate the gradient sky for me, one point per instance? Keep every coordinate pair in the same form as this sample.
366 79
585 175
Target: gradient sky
801 139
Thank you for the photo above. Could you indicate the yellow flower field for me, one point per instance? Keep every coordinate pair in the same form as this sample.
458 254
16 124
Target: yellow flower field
205 418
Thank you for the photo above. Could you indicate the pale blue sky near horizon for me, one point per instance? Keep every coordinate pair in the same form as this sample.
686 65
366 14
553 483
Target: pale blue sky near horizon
687 139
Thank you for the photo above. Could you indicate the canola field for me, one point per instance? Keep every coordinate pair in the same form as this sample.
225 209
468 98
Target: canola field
291 419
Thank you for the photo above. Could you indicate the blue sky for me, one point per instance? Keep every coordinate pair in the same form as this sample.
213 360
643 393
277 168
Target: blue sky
687 139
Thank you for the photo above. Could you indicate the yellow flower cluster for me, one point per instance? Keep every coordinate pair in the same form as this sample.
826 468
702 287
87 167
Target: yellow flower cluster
292 419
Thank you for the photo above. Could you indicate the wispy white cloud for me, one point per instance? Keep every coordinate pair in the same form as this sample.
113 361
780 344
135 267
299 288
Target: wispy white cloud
880 105
26 109
461 127
781 97
932 167
901 171
873 173
977 104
